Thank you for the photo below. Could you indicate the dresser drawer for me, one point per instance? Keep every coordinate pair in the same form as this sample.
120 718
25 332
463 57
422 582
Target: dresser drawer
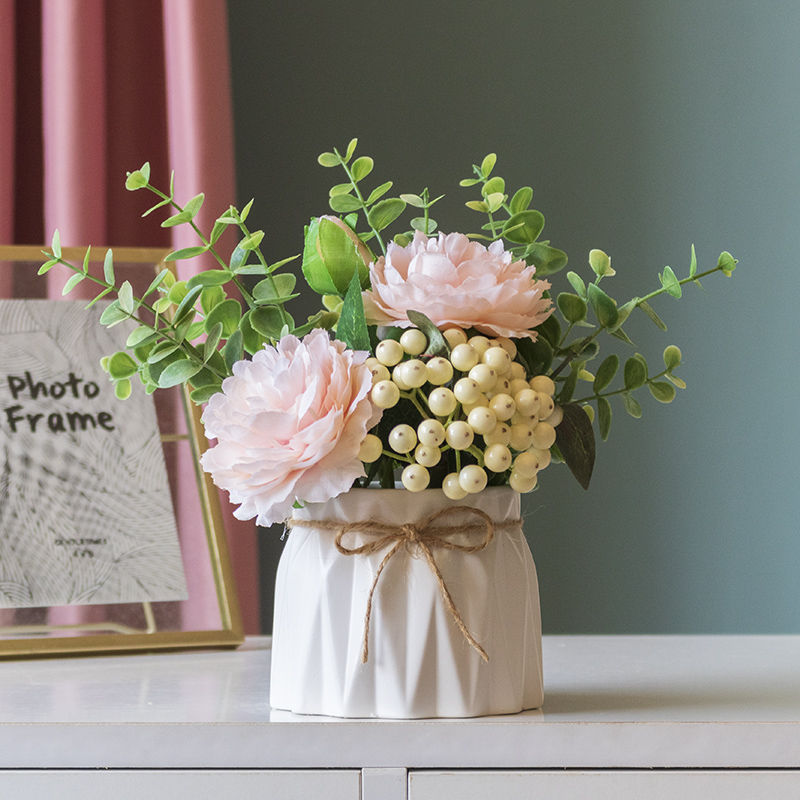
174 784
605 785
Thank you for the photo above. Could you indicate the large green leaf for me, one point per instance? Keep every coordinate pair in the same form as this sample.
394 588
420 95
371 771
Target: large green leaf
575 441
352 328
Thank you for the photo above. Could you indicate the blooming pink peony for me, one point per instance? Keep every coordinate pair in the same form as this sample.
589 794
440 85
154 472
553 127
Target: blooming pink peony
455 281
289 425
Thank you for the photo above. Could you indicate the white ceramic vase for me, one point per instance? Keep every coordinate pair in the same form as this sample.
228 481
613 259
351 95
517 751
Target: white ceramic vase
419 664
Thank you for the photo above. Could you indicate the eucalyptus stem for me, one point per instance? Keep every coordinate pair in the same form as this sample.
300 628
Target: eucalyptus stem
624 389
361 200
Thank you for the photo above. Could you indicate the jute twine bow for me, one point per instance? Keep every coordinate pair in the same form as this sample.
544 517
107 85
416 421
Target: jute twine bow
422 536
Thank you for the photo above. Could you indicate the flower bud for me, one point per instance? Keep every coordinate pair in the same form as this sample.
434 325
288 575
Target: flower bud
332 253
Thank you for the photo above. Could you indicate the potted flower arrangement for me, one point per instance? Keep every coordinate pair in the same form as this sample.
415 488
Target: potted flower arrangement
394 430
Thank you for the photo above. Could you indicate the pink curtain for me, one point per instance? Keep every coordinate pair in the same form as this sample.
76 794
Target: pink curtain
121 83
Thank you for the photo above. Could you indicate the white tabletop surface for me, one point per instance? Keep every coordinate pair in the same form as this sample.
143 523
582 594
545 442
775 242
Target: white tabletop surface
610 701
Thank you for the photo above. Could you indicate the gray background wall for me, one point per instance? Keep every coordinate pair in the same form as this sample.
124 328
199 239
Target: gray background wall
643 127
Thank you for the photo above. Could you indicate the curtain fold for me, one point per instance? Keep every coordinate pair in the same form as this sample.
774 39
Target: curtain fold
121 82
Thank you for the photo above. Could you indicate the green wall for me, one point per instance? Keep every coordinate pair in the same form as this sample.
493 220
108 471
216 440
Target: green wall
643 127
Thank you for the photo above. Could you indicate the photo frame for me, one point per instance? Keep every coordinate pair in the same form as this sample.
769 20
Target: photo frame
209 615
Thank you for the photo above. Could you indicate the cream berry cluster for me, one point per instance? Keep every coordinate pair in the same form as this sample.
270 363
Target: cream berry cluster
478 401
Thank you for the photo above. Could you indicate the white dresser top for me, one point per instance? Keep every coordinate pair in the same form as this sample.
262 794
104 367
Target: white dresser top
610 701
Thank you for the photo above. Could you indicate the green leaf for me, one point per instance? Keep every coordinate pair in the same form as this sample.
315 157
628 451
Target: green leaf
274 287
55 244
547 260
193 206
141 335
125 295
600 263
351 148
692 263
521 200
384 213
576 282
487 165
568 387
571 306
670 282
635 372
267 320
186 252
246 210
604 307
527 226
112 315
575 441
606 372
361 167
121 365
178 372
328 160
204 393
340 188
632 405
603 417
99 297
122 389
251 241
679 382
494 185
344 203
211 342
477 205
186 306
726 262
437 344
86 260
352 328
672 357
47 266
468 182
252 340
161 351
210 297
425 226
413 200
234 349
662 391
650 311
494 201
139 178
622 336
177 219
73 281
550 330
210 277
156 282
378 192
227 313
165 202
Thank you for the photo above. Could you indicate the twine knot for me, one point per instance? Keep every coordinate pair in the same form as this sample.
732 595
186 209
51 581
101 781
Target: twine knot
422 536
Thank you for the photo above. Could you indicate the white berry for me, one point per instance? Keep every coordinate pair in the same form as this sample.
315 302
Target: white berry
454 336
415 477
521 437
466 390
442 401
498 359
427 456
544 436
546 405
555 418
413 341
385 394
413 372
463 357
402 438
527 463
507 345
484 376
482 420
527 401
371 449
459 435
430 432
497 458
522 483
541 383
397 377
542 456
389 352
480 343
452 488
503 406
440 371
473 478
500 435
517 371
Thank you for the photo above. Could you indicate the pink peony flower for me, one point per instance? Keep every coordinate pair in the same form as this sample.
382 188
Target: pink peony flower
455 281
289 425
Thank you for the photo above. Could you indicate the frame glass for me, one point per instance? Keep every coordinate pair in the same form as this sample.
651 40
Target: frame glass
210 616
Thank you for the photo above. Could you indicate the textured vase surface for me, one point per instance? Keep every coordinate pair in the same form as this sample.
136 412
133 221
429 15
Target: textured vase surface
419 664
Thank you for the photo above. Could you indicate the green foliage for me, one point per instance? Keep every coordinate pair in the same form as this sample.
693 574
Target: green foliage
352 327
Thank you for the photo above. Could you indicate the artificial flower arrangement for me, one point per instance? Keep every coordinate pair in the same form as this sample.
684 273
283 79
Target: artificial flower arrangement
441 360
